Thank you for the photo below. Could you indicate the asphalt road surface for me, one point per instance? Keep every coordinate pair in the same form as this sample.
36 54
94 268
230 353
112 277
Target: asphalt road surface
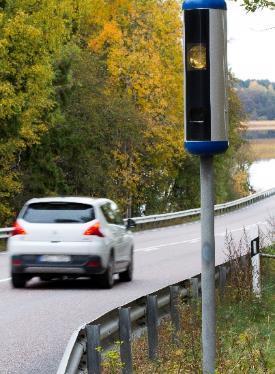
37 322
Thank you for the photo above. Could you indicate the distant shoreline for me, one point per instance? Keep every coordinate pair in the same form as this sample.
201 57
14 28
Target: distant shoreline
262 149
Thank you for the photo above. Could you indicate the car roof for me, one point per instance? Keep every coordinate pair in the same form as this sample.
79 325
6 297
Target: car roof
69 199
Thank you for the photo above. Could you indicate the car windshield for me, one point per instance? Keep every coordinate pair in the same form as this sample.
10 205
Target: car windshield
59 212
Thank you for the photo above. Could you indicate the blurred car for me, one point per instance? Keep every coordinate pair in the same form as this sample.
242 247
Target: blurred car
71 237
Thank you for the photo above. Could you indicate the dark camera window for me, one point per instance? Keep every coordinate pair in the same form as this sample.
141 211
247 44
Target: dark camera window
59 212
197 115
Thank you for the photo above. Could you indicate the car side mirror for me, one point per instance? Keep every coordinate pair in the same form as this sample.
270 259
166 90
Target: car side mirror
130 223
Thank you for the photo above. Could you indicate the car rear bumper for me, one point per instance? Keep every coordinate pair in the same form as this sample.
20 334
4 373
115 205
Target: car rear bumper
96 248
78 265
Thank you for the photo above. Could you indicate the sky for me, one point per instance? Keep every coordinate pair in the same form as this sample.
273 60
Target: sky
251 42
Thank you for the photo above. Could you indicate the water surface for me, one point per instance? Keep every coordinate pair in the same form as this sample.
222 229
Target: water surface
262 175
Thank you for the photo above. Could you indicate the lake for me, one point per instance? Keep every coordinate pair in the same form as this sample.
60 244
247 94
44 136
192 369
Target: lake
262 175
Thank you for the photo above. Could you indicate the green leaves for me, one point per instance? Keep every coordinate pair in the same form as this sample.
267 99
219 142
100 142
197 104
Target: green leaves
91 103
32 36
253 5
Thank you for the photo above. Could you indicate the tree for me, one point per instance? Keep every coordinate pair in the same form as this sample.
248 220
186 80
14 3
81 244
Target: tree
92 105
33 35
140 43
253 5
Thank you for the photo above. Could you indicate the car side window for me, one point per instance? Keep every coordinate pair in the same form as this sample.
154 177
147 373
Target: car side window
117 214
108 213
112 214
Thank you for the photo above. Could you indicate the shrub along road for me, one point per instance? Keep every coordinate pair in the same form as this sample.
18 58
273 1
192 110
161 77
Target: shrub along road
36 322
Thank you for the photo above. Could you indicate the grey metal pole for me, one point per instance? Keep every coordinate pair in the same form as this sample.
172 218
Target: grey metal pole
152 325
208 265
125 338
174 310
93 352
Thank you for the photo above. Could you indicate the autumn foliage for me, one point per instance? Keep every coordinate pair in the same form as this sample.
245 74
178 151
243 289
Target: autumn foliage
91 103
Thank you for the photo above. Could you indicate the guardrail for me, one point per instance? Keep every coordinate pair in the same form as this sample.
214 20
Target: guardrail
82 354
5 232
219 208
155 218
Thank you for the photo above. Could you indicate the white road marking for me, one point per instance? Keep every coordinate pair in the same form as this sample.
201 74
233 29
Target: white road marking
5 280
195 240
155 247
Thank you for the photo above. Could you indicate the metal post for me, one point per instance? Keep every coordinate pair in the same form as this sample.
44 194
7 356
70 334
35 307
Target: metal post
174 310
208 265
194 282
256 266
222 280
152 325
125 338
256 275
93 351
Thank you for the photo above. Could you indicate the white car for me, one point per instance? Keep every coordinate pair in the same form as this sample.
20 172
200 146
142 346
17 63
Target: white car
73 237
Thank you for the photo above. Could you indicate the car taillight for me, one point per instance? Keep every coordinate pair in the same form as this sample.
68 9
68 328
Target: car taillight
93 264
18 229
94 230
16 262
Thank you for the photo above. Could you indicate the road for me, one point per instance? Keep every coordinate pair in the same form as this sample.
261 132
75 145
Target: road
37 322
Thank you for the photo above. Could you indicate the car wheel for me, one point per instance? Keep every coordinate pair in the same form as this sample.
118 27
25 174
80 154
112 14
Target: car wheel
18 280
127 275
107 279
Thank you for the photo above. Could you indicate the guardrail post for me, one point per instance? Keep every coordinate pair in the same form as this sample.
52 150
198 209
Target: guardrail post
256 266
222 280
152 325
125 340
194 282
93 349
174 310
244 261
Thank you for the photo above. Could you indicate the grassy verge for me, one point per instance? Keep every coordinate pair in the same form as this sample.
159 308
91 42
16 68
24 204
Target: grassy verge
269 250
245 332
262 148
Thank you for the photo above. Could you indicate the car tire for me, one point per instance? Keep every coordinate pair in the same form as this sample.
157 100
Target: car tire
18 280
127 275
107 278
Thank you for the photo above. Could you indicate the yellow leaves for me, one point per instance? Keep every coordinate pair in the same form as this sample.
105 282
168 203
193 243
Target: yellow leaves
18 27
142 42
32 135
10 103
240 182
127 169
110 34
179 352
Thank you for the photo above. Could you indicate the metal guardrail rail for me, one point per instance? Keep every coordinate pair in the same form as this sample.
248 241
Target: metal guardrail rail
155 218
82 355
219 208
75 361
5 232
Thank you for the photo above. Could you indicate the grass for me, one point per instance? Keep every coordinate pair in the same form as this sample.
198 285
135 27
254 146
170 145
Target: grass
245 332
269 250
245 339
262 149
